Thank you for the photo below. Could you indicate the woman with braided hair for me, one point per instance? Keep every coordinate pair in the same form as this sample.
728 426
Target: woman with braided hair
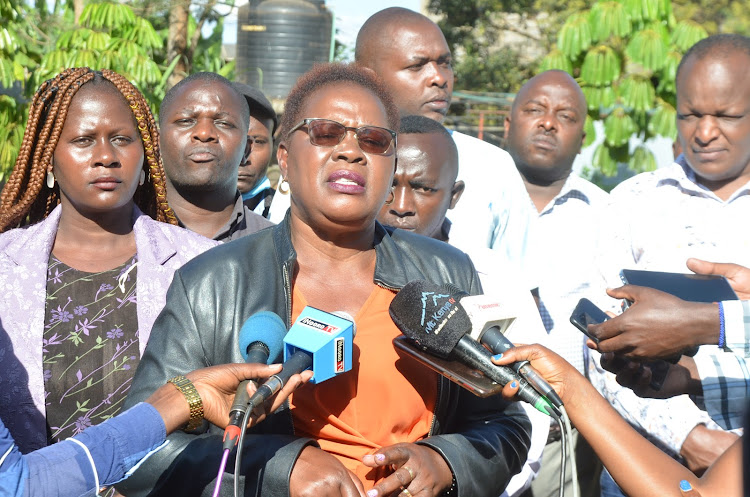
85 271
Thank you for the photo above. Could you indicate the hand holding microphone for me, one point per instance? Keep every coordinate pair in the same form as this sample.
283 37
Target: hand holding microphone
436 322
489 323
556 371
317 340
260 341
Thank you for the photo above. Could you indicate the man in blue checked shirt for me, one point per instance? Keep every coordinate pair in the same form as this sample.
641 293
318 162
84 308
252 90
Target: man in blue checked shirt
660 325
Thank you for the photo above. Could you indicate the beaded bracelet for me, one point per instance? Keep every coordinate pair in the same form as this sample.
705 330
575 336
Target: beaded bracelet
451 492
722 328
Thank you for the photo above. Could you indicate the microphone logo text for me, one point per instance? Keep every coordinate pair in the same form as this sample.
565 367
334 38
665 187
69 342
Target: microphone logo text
319 325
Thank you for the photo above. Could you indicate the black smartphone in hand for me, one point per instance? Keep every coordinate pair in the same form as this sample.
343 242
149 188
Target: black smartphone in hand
587 313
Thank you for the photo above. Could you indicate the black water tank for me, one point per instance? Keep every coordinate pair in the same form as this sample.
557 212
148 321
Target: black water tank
278 41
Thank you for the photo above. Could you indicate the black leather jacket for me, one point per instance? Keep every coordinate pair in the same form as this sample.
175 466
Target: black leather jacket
484 441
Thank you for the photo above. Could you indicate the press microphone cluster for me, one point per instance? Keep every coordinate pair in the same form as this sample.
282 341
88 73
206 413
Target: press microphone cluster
433 318
318 340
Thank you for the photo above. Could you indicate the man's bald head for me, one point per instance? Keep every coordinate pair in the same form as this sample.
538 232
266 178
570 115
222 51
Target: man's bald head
713 112
544 131
409 52
374 33
555 77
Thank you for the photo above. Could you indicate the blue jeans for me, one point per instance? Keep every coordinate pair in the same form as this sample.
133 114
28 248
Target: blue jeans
609 487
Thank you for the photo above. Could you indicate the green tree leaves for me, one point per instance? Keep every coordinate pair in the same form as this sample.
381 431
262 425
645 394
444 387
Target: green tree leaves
36 44
627 74
601 66
609 19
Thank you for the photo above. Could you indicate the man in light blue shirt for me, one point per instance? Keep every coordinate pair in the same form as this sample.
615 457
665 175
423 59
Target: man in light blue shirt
409 52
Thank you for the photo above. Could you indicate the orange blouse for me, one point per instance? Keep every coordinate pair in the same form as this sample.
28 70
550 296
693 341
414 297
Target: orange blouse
386 398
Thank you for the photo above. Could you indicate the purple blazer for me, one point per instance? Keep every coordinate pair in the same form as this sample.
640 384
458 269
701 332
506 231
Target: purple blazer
24 255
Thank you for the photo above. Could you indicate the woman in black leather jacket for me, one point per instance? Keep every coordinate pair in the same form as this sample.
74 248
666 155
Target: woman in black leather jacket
388 426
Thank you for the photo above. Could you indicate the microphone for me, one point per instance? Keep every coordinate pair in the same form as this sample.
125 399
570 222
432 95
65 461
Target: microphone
317 339
489 323
260 341
435 321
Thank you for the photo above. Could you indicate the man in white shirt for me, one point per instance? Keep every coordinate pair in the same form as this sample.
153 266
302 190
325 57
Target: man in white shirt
424 189
409 52
658 220
544 133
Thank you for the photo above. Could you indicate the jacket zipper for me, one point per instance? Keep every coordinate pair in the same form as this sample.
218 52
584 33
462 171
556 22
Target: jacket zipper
288 294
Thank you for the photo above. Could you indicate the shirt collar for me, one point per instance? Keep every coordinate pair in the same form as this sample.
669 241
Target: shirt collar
264 184
235 220
687 180
232 225
572 189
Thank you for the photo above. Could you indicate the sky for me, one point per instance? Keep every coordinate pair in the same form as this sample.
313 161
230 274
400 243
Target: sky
350 15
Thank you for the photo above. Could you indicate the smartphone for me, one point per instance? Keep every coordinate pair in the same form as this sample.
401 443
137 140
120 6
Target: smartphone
587 313
470 379
690 287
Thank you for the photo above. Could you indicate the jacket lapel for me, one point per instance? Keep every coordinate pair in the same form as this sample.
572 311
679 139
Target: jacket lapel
154 250
23 304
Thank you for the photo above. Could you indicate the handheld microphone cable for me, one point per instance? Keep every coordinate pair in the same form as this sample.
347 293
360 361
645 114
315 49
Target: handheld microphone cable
248 412
238 456
223 465
260 341
571 454
566 452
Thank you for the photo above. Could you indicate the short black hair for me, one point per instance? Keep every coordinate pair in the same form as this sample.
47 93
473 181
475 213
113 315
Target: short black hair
323 75
208 77
260 107
411 125
720 45
420 125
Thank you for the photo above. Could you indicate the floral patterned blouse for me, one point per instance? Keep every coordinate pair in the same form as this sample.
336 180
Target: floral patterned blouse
90 345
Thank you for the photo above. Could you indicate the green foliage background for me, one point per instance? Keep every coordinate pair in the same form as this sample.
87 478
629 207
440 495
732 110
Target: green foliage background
131 38
624 53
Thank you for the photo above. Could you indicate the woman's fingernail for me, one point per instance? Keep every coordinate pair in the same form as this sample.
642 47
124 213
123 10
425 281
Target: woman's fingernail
685 486
379 458
513 384
372 493
497 357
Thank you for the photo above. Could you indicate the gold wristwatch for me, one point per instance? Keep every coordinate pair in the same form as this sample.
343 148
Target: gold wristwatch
193 398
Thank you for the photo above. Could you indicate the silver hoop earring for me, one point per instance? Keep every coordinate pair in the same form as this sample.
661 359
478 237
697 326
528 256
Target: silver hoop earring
283 187
143 178
50 180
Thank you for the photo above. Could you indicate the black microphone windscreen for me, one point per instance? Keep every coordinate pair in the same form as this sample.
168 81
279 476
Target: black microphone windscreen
431 317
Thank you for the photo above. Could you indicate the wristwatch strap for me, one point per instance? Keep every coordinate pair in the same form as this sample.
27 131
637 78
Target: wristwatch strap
193 398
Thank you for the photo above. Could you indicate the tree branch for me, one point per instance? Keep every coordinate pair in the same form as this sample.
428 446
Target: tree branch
197 33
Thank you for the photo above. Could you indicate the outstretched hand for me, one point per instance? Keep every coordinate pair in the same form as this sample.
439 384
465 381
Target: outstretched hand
555 370
681 378
216 386
657 325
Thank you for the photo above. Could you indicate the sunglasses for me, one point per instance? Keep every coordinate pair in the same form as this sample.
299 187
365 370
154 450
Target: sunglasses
327 133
